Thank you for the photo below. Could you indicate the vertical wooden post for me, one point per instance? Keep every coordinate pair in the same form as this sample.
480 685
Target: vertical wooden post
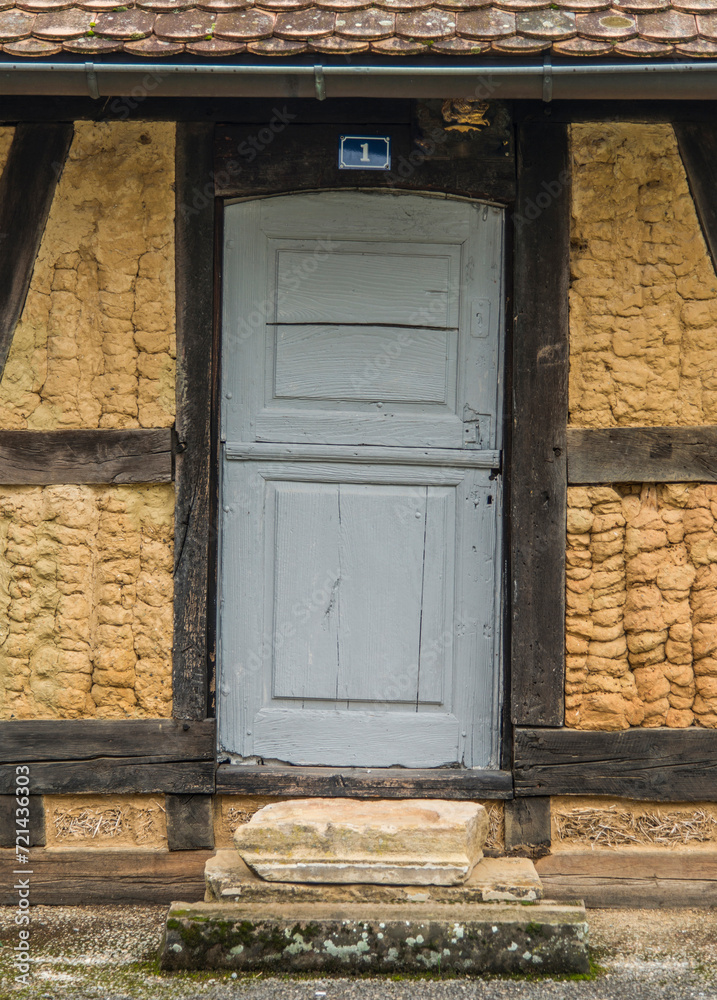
194 248
540 411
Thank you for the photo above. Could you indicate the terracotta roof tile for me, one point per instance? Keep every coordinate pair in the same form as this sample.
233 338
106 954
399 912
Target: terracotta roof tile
667 26
701 48
609 25
299 25
642 6
428 25
224 29
582 47
213 47
520 45
276 47
707 26
369 25
485 25
132 24
243 25
32 47
460 47
188 26
153 48
400 47
553 25
335 45
642 49
93 45
62 25
15 24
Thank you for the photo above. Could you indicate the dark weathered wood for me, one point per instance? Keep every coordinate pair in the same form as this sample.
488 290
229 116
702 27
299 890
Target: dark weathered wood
208 109
538 470
667 765
289 156
115 775
25 742
27 187
194 255
190 822
75 878
645 878
85 456
698 148
527 824
9 815
615 111
642 455
376 783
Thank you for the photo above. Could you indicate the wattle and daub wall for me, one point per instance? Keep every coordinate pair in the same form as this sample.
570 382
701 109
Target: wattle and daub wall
86 572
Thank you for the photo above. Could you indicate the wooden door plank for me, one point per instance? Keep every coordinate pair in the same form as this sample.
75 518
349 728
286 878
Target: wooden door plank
697 143
540 410
666 765
194 255
27 186
642 455
30 458
25 742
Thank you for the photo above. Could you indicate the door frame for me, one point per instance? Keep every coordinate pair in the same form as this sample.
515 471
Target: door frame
475 168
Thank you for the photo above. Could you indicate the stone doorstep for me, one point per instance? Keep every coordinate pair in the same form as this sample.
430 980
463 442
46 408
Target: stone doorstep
228 878
412 841
352 938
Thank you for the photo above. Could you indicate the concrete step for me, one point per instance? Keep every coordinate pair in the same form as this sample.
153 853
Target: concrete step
228 879
351 938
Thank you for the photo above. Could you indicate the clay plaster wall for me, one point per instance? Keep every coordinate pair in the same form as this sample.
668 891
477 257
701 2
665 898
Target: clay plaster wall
86 601
95 346
86 572
105 822
643 298
641 560
590 823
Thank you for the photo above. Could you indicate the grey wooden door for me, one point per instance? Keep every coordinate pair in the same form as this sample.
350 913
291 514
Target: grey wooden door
359 594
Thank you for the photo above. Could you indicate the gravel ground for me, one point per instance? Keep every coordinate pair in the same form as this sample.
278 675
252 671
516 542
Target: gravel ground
108 953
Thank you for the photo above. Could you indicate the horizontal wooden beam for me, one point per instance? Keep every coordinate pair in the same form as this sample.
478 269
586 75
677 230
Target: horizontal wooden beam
115 776
663 765
70 878
25 742
642 455
43 458
654 112
109 755
636 879
381 783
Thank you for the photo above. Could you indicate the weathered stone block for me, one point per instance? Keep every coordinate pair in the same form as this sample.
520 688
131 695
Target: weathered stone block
351 840
502 937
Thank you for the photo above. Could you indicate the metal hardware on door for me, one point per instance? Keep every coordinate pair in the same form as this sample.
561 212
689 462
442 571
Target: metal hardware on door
480 317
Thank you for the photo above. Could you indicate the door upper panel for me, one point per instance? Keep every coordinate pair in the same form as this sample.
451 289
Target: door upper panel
374 323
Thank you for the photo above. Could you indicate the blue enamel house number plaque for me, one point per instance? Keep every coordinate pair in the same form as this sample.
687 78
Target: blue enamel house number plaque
365 152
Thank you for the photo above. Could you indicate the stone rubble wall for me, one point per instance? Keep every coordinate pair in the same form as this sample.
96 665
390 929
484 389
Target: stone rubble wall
95 346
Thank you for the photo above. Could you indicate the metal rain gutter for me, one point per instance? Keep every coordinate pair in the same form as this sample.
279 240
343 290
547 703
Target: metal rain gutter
540 80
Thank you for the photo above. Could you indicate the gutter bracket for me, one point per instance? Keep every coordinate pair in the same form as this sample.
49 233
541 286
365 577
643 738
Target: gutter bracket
547 78
319 82
92 87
